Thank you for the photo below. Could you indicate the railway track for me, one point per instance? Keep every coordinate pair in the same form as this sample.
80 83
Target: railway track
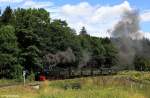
9 85
17 84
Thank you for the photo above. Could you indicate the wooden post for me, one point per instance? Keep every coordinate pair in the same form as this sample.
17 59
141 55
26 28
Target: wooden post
24 77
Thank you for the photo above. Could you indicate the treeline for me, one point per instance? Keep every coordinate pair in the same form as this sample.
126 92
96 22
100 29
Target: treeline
31 40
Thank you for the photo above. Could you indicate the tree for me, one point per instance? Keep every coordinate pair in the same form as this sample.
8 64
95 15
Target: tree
35 19
7 16
30 54
9 66
141 63
62 38
83 31
111 52
0 18
98 51
33 36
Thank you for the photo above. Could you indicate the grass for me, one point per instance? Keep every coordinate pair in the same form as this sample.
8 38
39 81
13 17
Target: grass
140 76
124 85
4 81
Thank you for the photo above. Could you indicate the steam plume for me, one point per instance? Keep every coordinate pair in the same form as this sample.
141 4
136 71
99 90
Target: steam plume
127 31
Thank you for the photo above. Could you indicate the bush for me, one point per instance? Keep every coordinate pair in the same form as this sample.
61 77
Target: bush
16 72
72 86
31 77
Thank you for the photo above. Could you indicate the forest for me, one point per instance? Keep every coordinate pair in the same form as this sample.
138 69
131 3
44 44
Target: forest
31 40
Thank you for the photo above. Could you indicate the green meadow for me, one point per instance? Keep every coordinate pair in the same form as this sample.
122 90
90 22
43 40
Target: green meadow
124 85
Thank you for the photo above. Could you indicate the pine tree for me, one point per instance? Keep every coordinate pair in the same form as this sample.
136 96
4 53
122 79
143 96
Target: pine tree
83 31
7 16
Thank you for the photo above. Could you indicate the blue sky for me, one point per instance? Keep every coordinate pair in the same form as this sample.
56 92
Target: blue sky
140 4
96 15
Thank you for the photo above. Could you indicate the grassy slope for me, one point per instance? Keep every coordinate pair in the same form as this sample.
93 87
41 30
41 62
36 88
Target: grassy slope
123 85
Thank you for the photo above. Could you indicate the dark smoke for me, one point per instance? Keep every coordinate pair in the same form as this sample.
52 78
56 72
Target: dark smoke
126 34
60 57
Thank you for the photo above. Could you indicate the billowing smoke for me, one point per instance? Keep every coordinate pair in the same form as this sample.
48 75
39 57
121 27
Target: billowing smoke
126 33
128 26
85 59
60 57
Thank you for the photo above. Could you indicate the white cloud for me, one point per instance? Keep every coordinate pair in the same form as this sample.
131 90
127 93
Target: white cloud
40 4
145 16
95 18
11 1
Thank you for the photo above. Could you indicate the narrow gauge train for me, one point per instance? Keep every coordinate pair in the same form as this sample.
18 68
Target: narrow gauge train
68 73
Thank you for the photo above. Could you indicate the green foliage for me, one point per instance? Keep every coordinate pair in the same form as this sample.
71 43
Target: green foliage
101 50
7 16
31 77
36 19
8 52
142 63
16 72
62 37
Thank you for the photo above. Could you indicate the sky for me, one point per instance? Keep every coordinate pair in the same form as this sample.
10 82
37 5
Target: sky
98 16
